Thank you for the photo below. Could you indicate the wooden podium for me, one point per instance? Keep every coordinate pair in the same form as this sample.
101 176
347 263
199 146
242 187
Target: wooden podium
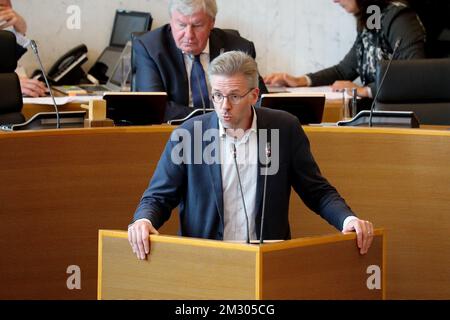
328 267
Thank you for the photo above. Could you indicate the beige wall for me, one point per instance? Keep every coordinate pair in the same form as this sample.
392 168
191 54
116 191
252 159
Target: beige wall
290 35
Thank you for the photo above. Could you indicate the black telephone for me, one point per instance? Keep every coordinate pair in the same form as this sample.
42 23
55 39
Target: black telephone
67 70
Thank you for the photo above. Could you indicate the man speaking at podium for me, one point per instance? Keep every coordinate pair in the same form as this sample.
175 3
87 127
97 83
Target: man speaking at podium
174 58
214 168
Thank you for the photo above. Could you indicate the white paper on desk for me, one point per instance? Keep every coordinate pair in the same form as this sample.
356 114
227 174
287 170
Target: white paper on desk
60 100
329 93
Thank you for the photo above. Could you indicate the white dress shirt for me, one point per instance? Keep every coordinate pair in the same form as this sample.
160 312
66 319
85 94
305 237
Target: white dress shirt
204 59
235 225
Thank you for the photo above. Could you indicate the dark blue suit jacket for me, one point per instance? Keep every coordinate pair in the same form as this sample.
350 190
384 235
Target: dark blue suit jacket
197 188
160 65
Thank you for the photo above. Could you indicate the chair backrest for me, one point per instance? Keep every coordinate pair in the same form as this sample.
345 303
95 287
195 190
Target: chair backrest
435 16
8 61
134 35
421 86
233 32
11 102
10 93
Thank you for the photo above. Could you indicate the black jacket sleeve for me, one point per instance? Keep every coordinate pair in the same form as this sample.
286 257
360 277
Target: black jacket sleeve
20 51
345 70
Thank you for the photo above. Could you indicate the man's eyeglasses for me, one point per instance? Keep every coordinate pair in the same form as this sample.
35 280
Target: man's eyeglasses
234 99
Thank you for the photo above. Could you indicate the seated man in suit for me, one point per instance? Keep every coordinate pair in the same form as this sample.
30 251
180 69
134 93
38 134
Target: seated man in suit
174 57
10 20
219 199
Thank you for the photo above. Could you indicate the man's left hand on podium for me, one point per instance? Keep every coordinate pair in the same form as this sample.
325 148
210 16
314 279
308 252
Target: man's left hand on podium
364 233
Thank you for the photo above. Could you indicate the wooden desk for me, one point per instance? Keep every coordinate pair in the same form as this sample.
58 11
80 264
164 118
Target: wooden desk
333 110
60 187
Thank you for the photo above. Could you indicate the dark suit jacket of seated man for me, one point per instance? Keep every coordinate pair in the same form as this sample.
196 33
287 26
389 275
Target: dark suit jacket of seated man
160 65
198 188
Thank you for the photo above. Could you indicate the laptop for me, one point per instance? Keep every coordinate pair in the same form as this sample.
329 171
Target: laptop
125 23
135 108
307 107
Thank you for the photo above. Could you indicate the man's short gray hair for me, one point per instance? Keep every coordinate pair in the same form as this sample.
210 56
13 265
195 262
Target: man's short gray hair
189 7
235 62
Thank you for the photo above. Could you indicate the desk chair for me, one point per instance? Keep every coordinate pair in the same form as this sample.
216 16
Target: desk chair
421 86
11 102
435 16
134 35
232 32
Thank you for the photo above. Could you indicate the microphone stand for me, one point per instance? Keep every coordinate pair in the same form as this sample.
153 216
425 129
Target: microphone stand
397 45
268 155
36 53
242 193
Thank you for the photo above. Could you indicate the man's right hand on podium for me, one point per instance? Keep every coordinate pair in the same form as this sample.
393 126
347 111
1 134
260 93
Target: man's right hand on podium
139 237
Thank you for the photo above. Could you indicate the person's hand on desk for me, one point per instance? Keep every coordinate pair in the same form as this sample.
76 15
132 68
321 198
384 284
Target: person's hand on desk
364 233
339 86
285 80
138 236
32 87
11 18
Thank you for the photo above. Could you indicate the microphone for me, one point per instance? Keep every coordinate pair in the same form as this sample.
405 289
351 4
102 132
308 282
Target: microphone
242 193
268 155
397 45
192 57
36 53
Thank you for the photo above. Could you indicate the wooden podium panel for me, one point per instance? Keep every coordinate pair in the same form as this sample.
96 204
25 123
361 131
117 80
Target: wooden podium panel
186 268
343 275
176 269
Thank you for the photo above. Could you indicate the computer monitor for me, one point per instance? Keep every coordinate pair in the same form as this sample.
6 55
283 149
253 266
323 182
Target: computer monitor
127 22
308 108
135 108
